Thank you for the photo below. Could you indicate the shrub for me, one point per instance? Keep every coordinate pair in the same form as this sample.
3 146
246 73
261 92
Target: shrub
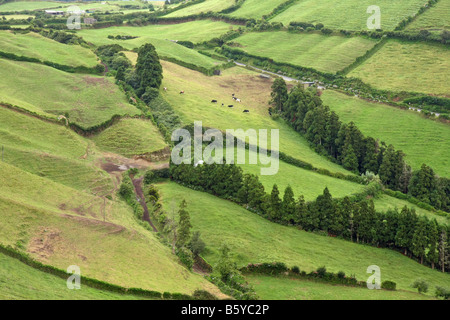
321 272
203 295
186 257
421 285
389 285
148 178
341 274
295 270
442 293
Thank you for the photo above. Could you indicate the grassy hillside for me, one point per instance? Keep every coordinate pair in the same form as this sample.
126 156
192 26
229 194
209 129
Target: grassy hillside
61 226
416 67
130 137
24 282
324 53
58 156
434 20
253 239
350 14
206 6
195 31
30 5
272 288
195 105
36 46
422 140
89 100
255 9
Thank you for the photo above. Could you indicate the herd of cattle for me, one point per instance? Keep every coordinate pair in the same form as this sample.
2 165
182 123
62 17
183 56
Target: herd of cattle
215 101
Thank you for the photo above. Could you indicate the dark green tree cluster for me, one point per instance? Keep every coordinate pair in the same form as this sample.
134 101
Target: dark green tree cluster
416 236
345 143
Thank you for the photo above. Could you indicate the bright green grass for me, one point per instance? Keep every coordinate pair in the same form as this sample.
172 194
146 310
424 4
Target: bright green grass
421 139
61 226
16 16
195 31
253 239
349 14
195 105
255 9
36 46
404 66
31 5
303 182
89 100
131 137
324 53
276 288
206 6
385 202
19 281
50 151
435 19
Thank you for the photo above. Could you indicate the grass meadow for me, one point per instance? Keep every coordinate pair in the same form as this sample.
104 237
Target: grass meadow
130 137
349 14
206 6
281 288
36 46
324 53
88 100
61 226
411 67
26 283
253 239
31 5
435 19
421 139
195 105
255 9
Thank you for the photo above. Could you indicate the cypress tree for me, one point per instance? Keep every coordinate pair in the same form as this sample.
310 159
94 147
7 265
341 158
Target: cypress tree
184 226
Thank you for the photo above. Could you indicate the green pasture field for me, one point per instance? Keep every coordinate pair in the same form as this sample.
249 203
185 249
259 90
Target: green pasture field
31 5
278 288
130 137
34 45
349 14
253 239
434 20
89 100
16 16
21 282
324 53
61 226
421 139
195 105
206 6
406 66
255 9
385 202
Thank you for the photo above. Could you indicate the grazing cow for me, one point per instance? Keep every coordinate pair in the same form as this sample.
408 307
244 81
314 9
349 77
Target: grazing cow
234 98
222 104
165 89
230 106
238 100
246 111
214 101
233 94
182 92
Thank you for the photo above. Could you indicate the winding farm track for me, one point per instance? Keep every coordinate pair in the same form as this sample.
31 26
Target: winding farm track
140 195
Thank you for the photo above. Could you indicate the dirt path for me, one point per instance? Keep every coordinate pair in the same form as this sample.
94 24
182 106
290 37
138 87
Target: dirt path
141 198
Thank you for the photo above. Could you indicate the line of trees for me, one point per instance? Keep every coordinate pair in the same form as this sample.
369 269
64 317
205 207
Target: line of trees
357 221
345 144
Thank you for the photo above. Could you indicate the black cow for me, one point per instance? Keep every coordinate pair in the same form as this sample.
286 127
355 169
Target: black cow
214 101
246 111
230 106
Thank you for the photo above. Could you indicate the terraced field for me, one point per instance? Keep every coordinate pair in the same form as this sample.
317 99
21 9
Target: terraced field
31 5
36 46
253 239
397 127
434 20
88 100
206 6
195 105
324 53
350 14
412 67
